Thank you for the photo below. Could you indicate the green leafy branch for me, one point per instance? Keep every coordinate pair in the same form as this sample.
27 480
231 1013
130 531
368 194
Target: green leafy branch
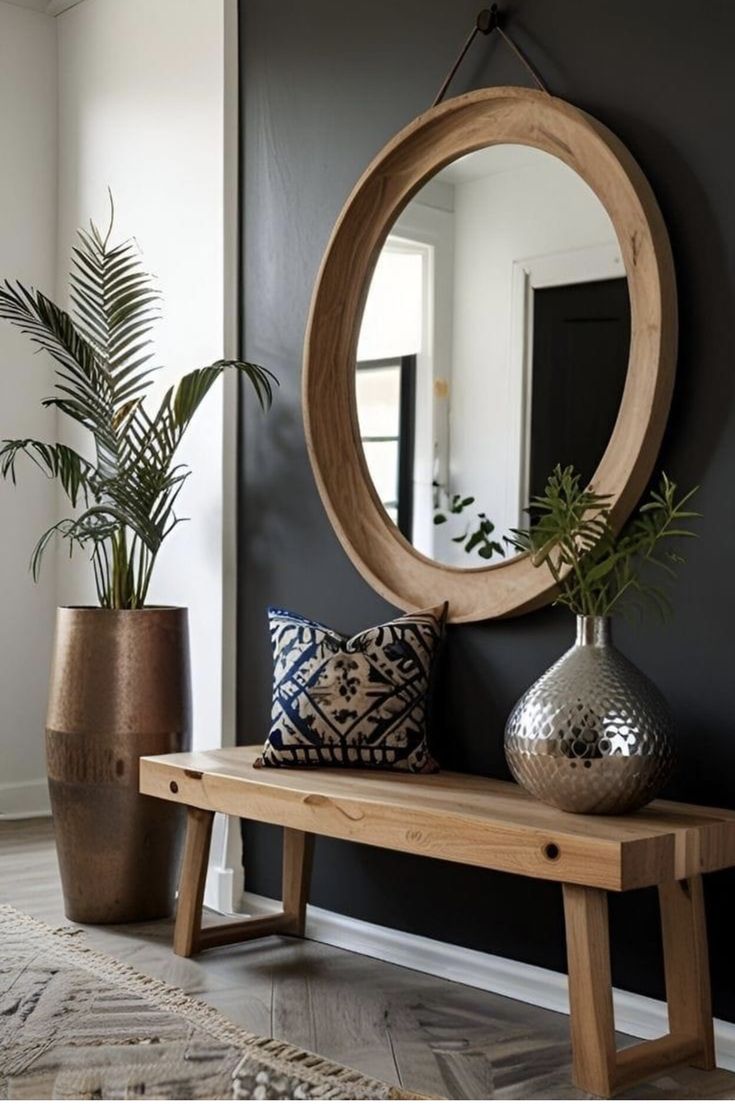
598 572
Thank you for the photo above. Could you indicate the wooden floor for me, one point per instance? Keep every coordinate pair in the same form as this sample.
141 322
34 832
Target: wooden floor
411 1029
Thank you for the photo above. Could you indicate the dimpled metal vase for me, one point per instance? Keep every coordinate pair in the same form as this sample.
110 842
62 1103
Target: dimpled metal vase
593 735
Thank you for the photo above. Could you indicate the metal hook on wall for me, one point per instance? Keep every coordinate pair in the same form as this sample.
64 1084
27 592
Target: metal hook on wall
488 20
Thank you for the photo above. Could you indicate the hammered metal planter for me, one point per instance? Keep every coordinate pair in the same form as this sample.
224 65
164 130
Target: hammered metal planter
593 734
120 689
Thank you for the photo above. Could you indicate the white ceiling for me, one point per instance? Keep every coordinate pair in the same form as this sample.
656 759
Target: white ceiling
490 160
37 5
51 7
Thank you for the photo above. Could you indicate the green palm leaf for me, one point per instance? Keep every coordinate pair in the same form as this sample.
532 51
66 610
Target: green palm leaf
116 304
55 460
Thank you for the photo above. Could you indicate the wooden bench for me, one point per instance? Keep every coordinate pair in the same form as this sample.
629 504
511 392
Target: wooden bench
491 824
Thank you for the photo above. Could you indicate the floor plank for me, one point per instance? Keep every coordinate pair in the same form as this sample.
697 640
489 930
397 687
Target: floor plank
416 1030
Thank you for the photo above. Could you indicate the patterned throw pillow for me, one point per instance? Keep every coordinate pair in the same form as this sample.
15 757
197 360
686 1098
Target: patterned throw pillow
357 702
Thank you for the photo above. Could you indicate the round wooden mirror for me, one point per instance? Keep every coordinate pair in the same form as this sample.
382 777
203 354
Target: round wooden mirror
497 296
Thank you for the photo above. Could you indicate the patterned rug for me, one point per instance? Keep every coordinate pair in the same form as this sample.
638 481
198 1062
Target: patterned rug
76 1024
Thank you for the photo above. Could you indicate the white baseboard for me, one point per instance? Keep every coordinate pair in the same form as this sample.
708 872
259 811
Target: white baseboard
24 799
634 1014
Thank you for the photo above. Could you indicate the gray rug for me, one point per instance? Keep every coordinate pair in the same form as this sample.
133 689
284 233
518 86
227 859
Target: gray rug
76 1024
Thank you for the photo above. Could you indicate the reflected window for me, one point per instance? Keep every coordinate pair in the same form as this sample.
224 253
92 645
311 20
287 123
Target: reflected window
386 406
393 320
391 337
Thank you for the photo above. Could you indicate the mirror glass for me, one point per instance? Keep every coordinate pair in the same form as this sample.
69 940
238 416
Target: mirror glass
494 345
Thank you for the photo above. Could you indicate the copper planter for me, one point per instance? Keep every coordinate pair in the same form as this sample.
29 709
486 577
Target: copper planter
120 689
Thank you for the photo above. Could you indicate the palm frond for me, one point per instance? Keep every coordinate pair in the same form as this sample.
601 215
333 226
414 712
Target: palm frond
159 437
102 351
82 390
55 460
76 533
182 401
116 304
51 328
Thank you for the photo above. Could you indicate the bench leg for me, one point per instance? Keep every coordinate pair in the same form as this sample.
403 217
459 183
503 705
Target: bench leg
590 989
686 962
191 883
298 853
190 937
597 1067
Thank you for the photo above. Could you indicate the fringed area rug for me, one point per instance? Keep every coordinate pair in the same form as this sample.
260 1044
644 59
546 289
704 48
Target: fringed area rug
76 1024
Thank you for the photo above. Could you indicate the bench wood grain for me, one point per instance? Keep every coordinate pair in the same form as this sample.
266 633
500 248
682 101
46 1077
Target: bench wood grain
464 818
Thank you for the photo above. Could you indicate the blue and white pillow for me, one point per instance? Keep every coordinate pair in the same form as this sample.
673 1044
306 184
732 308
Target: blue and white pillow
352 702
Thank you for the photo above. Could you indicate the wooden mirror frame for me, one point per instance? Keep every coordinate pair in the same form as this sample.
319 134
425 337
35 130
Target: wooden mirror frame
394 568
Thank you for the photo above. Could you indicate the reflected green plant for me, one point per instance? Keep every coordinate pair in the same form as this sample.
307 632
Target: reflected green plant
477 535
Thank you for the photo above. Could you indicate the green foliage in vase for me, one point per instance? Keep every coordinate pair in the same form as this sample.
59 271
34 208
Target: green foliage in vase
478 531
599 573
125 493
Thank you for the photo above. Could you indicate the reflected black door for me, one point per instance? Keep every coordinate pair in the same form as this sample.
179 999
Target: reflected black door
581 339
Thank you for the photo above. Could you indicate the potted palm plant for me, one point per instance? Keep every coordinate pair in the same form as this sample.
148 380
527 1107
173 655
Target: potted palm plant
593 734
120 683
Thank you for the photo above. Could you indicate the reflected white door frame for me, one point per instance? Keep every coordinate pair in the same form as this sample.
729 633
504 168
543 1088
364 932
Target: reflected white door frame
596 263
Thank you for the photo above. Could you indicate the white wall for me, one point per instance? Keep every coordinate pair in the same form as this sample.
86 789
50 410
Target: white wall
142 97
27 251
141 110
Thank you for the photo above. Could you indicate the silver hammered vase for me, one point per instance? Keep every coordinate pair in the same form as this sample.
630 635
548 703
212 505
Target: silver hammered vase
593 734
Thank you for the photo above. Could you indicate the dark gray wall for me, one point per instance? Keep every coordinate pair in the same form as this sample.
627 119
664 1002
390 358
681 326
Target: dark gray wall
325 84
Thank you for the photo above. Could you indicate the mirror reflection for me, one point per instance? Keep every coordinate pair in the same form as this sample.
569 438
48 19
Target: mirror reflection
494 345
